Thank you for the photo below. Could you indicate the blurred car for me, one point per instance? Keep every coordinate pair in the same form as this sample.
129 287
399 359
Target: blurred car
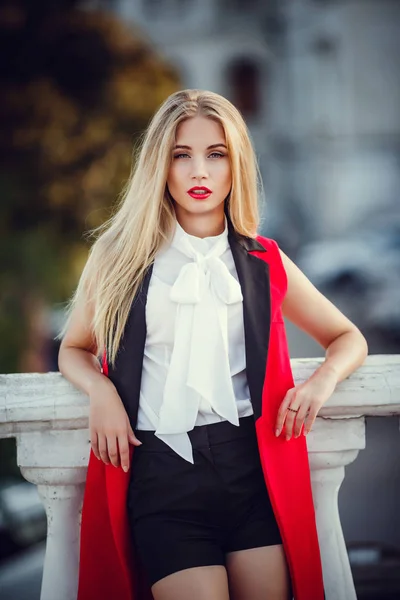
360 273
22 516
375 568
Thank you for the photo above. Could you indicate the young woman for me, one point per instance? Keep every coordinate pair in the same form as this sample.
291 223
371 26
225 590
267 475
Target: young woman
186 302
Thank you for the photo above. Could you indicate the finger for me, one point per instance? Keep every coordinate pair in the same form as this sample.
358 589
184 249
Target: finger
291 414
113 450
132 439
309 422
290 421
280 419
103 448
300 419
124 451
94 445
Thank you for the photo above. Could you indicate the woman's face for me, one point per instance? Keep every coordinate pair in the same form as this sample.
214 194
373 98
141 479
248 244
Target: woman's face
199 160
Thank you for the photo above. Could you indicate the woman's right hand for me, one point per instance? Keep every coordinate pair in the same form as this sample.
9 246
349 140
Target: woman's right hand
110 429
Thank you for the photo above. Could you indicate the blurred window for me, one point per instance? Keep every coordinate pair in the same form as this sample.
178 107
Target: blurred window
155 8
158 9
244 81
244 5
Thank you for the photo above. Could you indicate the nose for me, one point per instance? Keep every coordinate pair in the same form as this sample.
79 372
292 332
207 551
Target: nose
199 169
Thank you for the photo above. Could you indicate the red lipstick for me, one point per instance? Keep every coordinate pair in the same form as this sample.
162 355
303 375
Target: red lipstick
199 192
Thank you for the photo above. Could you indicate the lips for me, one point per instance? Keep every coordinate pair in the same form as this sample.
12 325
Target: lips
199 192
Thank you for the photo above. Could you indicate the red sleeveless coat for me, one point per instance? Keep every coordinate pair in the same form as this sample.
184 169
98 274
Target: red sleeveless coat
107 561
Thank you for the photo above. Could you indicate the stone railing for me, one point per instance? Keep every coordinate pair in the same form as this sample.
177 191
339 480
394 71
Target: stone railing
49 419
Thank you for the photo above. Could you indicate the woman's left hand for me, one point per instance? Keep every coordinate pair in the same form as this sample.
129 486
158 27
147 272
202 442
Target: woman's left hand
306 399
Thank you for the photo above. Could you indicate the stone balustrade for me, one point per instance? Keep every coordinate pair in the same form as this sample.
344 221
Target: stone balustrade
49 419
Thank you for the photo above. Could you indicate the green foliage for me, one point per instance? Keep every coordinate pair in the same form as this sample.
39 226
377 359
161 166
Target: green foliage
76 90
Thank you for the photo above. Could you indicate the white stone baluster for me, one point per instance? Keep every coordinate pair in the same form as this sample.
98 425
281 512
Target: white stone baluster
333 444
56 461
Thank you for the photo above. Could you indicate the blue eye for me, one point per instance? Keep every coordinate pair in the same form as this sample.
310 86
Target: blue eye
212 155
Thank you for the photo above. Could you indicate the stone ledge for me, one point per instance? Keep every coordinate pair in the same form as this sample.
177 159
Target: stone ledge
47 401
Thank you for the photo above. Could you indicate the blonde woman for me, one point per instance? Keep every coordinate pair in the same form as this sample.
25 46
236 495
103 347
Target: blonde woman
198 484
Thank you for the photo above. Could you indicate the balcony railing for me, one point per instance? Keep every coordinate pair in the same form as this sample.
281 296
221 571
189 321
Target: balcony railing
49 419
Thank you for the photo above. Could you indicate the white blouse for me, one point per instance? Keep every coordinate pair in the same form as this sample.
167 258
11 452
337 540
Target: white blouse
194 364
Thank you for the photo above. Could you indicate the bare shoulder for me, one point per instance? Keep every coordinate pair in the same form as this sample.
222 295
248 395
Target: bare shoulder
306 307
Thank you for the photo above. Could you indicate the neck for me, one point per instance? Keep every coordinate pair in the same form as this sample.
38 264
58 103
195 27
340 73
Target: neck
201 225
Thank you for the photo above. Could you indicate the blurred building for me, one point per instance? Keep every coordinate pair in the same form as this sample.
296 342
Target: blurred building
226 46
335 127
319 85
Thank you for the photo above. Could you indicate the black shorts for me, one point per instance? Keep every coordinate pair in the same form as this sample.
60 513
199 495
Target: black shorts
186 515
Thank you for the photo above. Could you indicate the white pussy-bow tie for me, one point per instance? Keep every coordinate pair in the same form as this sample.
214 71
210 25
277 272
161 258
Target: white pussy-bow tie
199 367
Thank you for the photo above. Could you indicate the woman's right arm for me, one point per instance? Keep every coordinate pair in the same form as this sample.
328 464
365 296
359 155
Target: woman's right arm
110 429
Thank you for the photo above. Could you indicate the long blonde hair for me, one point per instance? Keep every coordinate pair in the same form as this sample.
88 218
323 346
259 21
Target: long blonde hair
128 242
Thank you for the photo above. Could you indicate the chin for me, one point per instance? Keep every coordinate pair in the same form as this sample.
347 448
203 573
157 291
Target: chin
200 206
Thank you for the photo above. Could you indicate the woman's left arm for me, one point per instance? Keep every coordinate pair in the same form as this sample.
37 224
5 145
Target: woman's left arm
345 350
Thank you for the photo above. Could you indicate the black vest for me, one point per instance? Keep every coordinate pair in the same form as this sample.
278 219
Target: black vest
254 279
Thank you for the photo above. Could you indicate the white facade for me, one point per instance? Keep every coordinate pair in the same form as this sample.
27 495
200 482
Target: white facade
339 111
327 133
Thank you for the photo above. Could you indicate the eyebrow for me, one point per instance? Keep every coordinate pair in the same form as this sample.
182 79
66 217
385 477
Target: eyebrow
209 147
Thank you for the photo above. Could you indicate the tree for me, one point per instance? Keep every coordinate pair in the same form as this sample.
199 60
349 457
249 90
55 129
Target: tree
76 90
